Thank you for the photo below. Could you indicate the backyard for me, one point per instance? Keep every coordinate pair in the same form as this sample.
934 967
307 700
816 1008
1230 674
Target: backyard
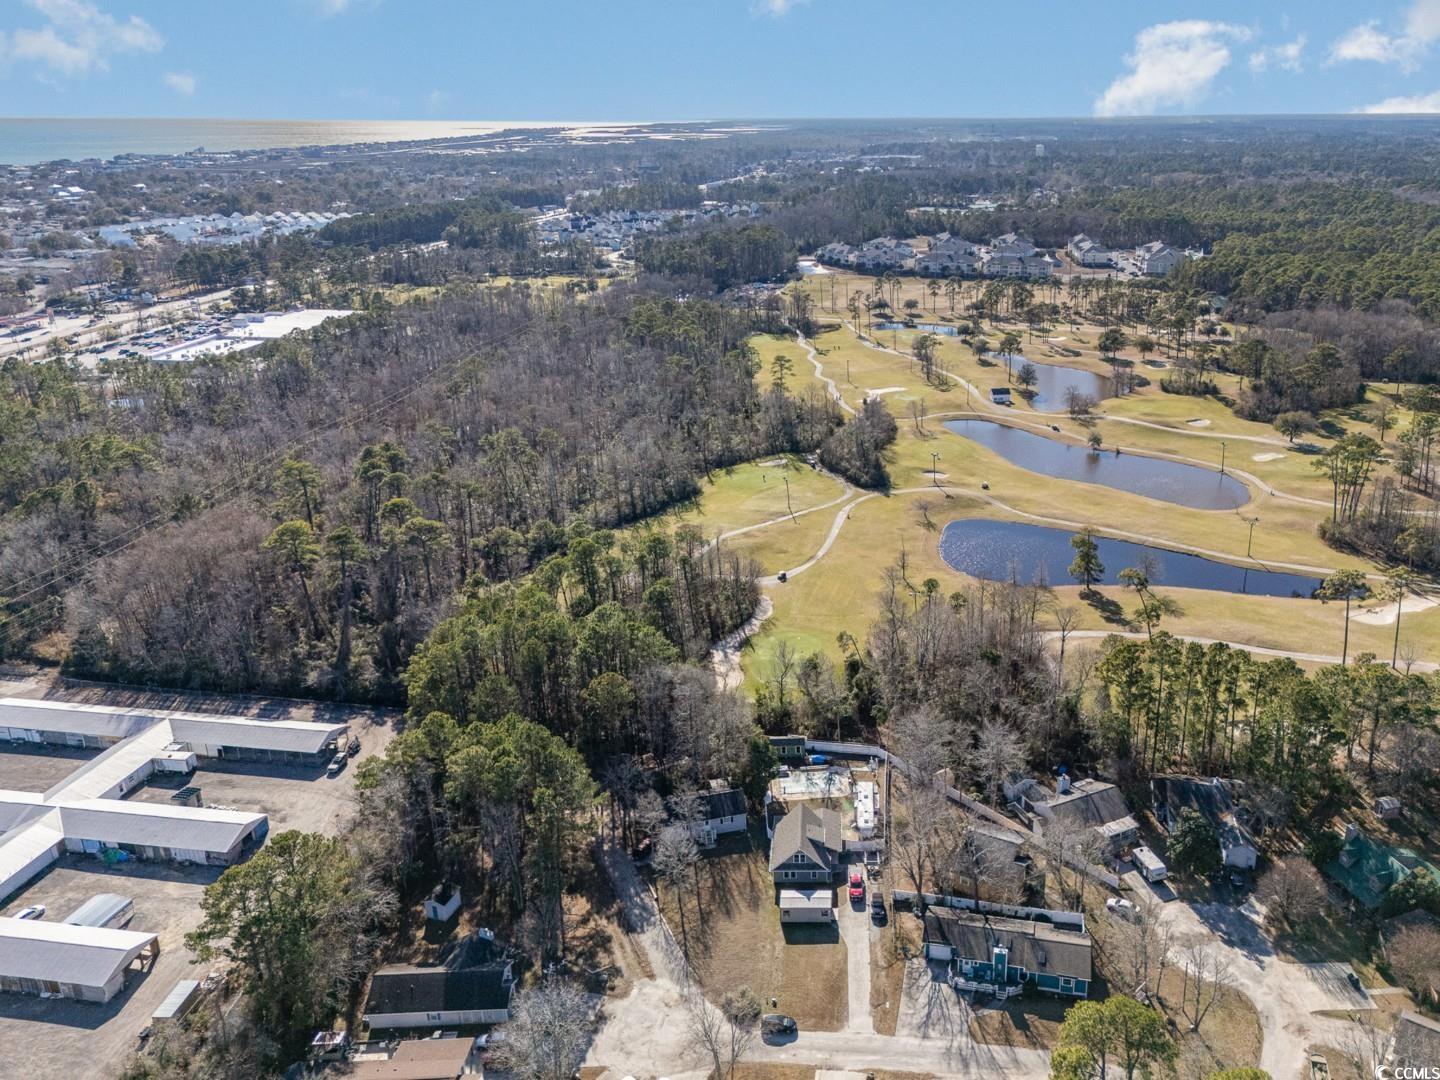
733 938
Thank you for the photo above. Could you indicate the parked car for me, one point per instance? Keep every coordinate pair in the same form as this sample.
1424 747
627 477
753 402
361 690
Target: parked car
353 746
877 909
337 765
778 1024
1126 909
34 911
857 885
641 851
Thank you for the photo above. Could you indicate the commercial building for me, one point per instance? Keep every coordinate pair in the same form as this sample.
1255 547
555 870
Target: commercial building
82 962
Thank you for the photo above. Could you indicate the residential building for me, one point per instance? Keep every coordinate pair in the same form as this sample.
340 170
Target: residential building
886 253
807 846
789 749
1007 264
1367 869
807 905
1093 803
407 996
1156 259
724 812
1088 252
418 1059
1003 955
1012 244
1415 1044
1212 799
86 963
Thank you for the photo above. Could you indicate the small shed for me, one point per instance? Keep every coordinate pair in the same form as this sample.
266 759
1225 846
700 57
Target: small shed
186 796
1388 807
806 905
104 910
178 1002
443 903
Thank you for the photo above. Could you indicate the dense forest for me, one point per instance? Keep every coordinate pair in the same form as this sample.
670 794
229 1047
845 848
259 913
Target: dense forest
300 524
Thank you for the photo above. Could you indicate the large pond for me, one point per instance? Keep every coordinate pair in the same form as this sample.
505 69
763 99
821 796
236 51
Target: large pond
990 549
1155 478
1053 381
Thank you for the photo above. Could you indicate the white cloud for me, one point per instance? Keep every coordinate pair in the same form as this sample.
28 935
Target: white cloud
181 82
776 8
78 37
1419 103
1287 57
327 8
1173 63
1405 49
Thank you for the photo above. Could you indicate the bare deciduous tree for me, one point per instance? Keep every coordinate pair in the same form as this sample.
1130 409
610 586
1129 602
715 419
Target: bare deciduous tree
1292 892
1139 948
675 860
548 1032
1414 955
1206 975
724 1034
997 753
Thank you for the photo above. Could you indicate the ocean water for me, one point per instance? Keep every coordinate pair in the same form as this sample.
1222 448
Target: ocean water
30 141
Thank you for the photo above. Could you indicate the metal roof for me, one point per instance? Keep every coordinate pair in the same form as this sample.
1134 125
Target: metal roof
295 736
98 910
68 716
82 955
156 825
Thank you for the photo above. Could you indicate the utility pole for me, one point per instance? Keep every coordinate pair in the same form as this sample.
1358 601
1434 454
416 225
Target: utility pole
1250 542
935 468
1222 457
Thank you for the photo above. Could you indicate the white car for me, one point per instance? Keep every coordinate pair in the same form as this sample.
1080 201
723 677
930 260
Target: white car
1126 909
34 911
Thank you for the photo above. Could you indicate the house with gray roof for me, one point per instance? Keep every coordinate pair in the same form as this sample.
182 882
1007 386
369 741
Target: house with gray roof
1093 803
1156 259
1004 955
807 846
1212 799
1088 252
1415 1044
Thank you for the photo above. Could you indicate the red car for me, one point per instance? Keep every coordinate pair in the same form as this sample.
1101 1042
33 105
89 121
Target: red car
857 886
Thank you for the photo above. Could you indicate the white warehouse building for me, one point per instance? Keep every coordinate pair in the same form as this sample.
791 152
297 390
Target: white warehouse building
86 963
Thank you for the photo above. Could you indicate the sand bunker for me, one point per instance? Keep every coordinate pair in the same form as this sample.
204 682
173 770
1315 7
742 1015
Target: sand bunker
1198 423
1384 615
883 390
1266 457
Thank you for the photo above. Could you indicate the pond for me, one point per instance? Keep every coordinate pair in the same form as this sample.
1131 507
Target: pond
989 549
923 328
1155 478
1053 380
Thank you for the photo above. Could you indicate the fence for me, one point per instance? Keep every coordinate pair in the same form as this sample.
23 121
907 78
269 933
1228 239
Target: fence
1069 920
865 750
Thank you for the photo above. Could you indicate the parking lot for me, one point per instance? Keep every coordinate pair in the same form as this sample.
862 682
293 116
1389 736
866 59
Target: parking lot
67 1039
38 770
53 1037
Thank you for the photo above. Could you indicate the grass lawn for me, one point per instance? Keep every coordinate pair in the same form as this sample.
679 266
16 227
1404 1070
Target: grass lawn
1032 1024
1229 1038
748 494
734 939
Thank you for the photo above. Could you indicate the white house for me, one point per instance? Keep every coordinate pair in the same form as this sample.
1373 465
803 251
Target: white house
1088 252
724 812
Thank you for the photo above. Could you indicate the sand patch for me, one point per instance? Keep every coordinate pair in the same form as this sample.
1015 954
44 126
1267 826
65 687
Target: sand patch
1198 423
1384 615
884 390
773 463
1266 457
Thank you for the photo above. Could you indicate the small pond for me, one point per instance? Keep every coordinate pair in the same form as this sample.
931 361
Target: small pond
1052 381
1155 478
922 328
988 549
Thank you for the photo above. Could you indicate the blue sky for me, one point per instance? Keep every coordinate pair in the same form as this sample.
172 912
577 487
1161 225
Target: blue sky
700 59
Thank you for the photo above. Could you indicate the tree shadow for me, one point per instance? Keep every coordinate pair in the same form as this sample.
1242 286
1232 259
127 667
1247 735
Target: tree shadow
1108 609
